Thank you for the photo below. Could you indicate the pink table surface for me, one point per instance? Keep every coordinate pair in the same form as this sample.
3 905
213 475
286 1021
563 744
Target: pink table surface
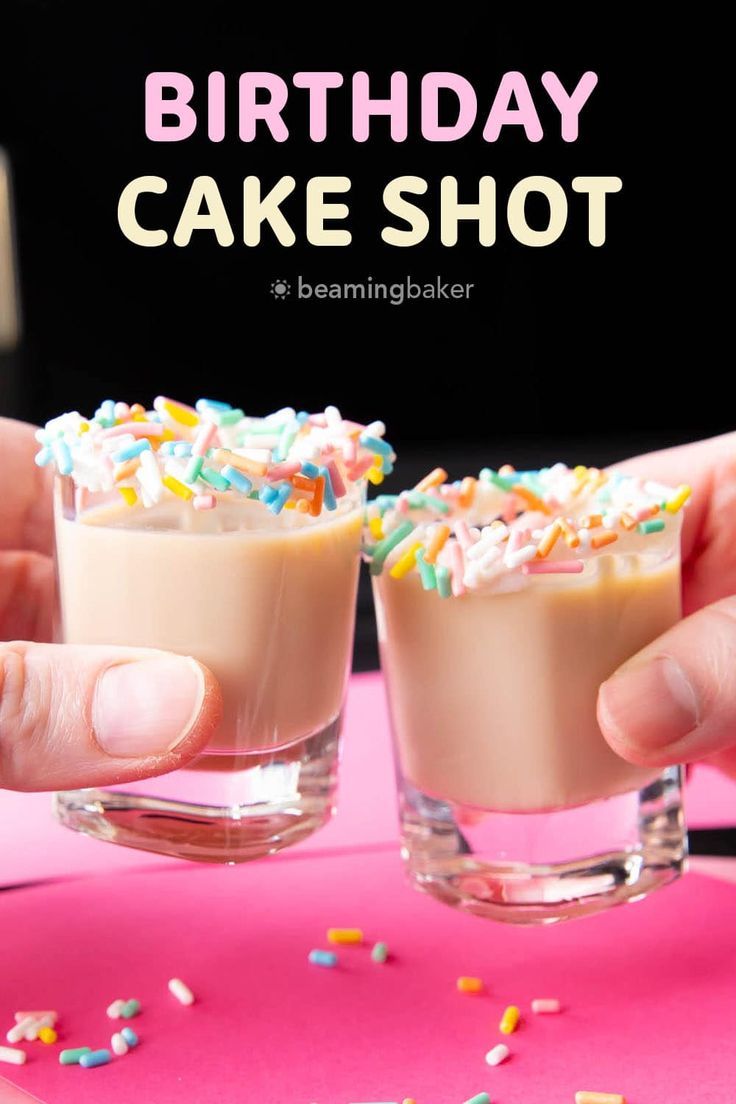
366 814
649 990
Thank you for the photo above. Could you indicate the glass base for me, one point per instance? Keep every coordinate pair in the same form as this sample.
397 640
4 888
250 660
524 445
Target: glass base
540 868
211 814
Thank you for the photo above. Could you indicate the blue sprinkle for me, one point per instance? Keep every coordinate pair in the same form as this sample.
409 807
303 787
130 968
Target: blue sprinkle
95 1058
182 449
44 457
323 958
376 444
277 504
211 404
310 470
267 494
133 450
130 1036
329 495
166 449
302 417
63 457
387 466
239 481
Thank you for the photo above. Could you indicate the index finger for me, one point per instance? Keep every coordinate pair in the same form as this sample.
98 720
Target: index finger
25 497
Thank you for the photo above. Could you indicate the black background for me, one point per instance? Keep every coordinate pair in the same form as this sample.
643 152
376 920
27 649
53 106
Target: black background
564 352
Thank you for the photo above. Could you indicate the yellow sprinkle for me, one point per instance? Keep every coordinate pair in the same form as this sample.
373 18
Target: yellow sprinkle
84 427
407 562
469 985
374 475
378 461
180 413
599 1098
290 505
129 496
47 1035
580 471
178 488
509 1020
375 525
344 935
681 497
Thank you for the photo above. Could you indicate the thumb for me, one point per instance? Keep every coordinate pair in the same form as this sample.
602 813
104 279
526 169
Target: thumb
675 700
75 716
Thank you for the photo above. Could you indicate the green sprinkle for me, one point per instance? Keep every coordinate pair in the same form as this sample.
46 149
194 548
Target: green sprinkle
229 417
426 570
379 952
479 1098
443 581
214 479
130 1009
382 549
71 1057
654 525
193 469
417 500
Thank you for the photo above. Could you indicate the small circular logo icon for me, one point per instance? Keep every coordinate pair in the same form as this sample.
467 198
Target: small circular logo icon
280 288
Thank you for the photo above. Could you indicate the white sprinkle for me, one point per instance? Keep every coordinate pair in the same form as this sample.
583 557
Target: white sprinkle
375 429
38 1023
114 1009
659 490
118 1044
523 555
37 1015
181 991
15 1034
498 1055
545 1004
12 1056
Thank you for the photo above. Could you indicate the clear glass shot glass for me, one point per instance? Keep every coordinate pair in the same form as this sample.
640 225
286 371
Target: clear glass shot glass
268 604
512 804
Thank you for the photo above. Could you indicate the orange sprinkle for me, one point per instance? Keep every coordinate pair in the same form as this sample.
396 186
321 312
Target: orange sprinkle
532 501
242 463
549 540
302 506
302 483
315 507
628 522
124 471
467 491
437 542
434 479
603 539
592 521
572 540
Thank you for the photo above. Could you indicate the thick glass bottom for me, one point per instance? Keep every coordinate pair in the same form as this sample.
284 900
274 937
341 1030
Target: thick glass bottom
540 868
272 801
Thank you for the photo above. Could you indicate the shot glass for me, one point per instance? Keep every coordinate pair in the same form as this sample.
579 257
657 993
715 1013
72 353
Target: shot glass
266 600
495 637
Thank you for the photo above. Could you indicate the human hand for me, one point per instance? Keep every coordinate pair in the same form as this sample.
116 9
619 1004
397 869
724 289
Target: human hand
675 700
70 715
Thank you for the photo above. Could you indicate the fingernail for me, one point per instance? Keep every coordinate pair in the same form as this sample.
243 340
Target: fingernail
649 704
147 707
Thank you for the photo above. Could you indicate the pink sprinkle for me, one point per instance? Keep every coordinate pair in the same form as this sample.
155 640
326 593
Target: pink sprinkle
510 508
553 567
337 484
515 541
360 467
283 471
463 535
203 502
644 513
318 420
458 569
205 436
402 505
136 429
80 499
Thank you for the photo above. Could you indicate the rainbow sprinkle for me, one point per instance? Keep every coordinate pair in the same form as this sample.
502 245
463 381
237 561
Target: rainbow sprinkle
287 460
479 534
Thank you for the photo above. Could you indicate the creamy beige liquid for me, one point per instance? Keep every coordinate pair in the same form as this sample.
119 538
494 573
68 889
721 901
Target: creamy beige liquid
268 604
493 696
